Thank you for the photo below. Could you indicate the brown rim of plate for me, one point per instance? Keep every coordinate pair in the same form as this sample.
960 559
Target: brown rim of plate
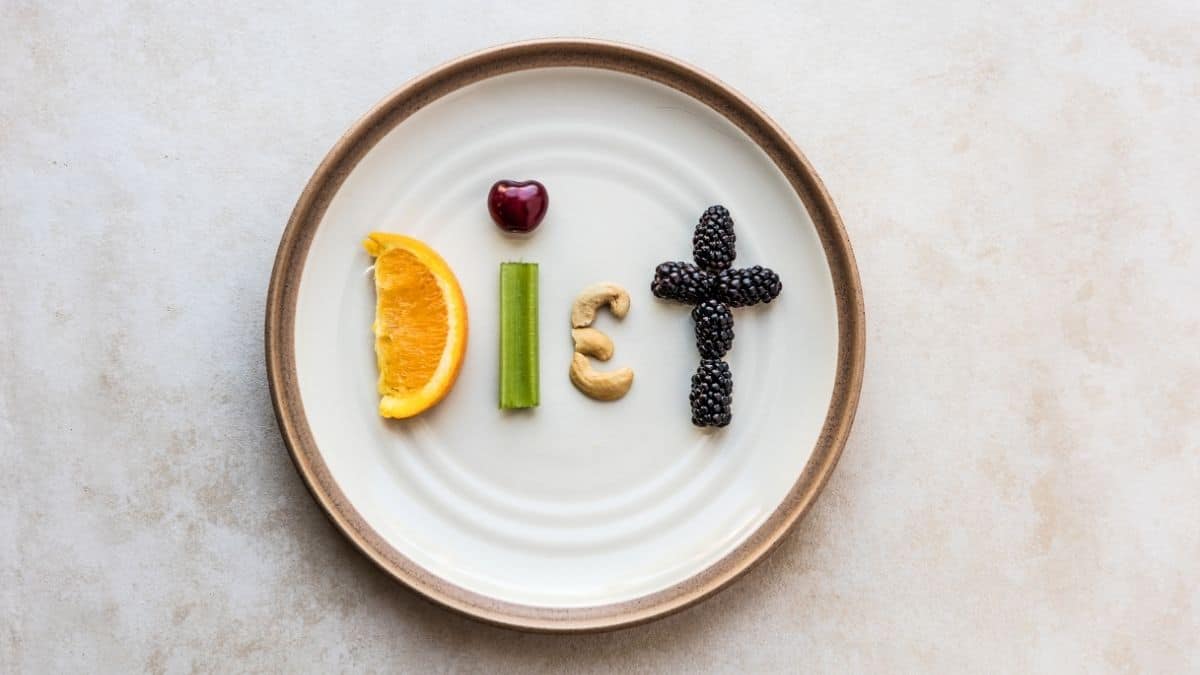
398 106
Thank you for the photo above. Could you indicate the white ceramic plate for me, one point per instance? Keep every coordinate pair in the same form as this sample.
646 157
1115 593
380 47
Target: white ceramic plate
576 505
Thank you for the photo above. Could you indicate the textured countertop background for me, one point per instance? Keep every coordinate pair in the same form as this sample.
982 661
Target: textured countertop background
1022 487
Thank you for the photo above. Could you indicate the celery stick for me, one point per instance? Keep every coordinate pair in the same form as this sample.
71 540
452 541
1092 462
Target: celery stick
518 335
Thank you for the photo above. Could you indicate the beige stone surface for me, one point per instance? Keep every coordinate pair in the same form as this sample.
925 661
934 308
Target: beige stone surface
1022 488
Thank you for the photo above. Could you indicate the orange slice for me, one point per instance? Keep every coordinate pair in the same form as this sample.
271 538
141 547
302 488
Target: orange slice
420 324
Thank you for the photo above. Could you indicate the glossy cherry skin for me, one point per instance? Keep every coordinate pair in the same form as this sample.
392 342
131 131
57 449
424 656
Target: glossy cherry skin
518 206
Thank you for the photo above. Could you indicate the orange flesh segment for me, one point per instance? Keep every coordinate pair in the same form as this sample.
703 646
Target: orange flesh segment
412 322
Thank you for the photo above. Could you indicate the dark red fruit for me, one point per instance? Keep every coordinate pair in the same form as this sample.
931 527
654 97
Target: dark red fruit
518 206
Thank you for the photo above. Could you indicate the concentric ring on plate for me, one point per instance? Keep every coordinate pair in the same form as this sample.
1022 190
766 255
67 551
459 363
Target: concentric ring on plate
395 109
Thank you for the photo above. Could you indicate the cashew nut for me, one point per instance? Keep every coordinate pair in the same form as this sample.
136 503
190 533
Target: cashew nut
591 342
600 385
583 312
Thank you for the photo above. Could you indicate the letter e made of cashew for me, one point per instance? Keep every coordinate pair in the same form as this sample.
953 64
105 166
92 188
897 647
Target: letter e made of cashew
600 385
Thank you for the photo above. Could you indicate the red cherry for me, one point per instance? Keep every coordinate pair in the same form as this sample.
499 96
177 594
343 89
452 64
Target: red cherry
518 205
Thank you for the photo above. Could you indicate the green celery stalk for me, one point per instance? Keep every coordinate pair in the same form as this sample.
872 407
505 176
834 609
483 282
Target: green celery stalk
518 335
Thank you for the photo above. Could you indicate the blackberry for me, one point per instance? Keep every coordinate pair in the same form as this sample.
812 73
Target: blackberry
713 242
714 328
747 286
681 281
712 394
